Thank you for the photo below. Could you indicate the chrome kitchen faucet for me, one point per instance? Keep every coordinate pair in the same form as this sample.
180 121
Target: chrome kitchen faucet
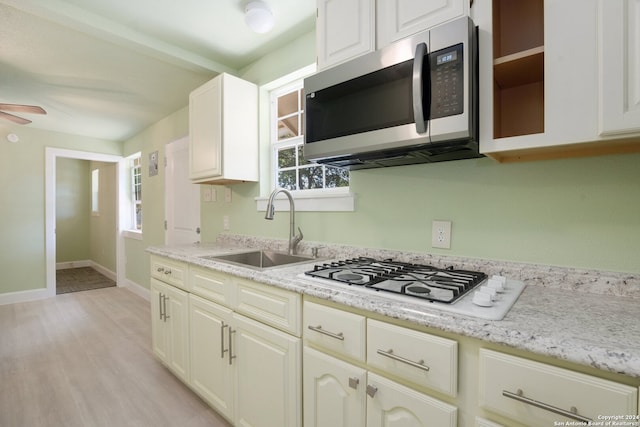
293 238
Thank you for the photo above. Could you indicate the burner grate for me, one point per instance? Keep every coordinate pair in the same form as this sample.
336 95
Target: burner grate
414 280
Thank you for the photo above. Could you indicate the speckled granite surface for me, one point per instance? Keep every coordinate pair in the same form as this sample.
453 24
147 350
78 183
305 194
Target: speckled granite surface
586 317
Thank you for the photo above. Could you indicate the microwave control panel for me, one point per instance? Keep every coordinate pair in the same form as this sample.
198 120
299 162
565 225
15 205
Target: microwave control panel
447 77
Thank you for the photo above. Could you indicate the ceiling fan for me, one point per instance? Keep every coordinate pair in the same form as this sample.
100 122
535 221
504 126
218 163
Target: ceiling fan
19 108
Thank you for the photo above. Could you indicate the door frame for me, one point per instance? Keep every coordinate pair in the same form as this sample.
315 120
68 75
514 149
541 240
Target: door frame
51 155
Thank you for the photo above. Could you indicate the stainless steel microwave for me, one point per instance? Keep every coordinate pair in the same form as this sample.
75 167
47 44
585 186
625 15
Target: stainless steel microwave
414 101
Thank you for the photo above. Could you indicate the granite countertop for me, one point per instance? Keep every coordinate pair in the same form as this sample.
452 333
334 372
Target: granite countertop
586 317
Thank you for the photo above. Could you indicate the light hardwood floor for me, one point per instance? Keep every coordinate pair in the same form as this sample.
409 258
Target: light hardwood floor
84 359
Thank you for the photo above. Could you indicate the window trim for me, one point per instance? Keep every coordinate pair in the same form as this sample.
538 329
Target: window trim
339 199
95 192
129 229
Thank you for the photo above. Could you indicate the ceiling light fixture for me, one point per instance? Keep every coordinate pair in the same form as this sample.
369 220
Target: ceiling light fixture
258 16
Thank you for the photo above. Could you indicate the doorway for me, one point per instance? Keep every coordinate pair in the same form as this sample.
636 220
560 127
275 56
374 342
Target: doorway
51 157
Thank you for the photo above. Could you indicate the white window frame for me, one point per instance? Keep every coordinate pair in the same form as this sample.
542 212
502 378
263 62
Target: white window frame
130 229
95 192
338 199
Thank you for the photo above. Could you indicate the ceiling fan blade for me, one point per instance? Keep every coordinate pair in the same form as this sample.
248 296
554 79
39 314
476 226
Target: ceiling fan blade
15 119
31 109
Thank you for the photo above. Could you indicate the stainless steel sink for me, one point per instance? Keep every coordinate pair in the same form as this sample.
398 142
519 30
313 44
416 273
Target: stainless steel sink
261 259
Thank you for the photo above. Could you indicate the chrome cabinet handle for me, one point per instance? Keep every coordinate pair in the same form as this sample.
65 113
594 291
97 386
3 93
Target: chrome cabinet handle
231 355
571 413
164 302
222 349
418 111
161 313
389 353
338 336
167 271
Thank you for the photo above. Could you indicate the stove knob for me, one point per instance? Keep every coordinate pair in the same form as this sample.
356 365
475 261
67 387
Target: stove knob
492 292
498 283
482 299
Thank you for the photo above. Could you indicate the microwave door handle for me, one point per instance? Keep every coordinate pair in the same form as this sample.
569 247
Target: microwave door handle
418 111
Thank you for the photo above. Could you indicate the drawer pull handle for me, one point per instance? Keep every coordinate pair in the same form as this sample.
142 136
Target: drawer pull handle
338 336
519 396
419 364
160 269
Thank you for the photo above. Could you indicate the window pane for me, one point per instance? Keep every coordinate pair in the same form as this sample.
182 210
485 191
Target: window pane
337 177
288 104
288 127
287 157
139 217
287 179
301 160
310 178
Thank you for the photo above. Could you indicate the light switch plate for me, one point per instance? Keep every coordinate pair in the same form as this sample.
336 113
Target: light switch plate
441 234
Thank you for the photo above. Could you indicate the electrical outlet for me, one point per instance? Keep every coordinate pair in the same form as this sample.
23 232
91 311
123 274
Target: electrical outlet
206 192
441 234
225 223
227 195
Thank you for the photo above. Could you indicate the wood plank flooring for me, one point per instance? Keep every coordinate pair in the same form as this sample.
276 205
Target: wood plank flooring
84 359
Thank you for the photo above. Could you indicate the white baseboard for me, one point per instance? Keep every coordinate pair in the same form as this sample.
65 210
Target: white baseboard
73 264
88 263
136 289
24 296
37 294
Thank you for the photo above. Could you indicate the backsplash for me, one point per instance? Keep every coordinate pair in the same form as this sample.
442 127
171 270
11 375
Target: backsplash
581 280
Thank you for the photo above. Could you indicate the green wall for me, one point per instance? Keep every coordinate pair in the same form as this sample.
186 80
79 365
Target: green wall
579 212
73 210
22 201
102 236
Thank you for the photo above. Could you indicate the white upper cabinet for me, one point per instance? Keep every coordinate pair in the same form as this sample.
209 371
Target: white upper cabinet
223 131
619 42
401 18
344 30
539 78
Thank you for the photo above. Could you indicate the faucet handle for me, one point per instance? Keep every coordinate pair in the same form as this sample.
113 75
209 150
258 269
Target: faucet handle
300 235
314 251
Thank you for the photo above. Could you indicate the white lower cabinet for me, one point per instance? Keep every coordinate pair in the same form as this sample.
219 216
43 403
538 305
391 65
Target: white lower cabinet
268 369
540 394
211 372
334 391
247 371
170 327
390 404
338 393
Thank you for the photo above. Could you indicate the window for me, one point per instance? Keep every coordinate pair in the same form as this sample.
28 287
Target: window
291 171
136 191
95 191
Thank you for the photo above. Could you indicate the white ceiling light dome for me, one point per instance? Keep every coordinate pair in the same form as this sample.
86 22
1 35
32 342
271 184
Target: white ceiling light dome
258 16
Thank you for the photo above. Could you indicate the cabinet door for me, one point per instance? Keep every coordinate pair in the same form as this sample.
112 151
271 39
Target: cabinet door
402 18
205 130
620 66
344 30
392 405
211 373
159 340
268 375
334 392
178 332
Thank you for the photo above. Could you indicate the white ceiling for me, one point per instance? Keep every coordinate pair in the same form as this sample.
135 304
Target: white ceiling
110 68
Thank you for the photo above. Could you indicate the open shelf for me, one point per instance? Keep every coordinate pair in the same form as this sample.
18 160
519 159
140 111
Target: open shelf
518 67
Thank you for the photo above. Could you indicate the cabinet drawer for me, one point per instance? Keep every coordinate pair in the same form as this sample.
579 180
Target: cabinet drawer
335 330
273 306
169 271
414 356
517 388
212 285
